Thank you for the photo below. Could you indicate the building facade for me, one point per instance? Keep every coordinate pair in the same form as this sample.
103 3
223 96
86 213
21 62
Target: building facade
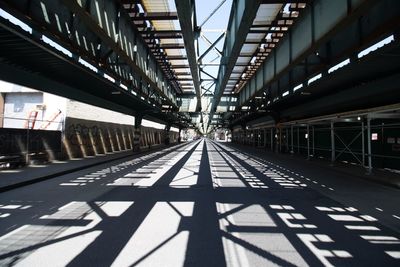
86 130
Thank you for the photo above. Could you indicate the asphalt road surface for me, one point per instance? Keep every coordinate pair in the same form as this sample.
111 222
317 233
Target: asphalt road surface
197 204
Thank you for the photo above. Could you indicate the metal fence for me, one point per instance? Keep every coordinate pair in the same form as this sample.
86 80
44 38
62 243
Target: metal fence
27 142
371 144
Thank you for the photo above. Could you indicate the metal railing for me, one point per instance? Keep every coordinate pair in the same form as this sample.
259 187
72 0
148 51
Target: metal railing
16 138
350 144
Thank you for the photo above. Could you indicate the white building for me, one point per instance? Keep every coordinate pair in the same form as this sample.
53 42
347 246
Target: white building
87 130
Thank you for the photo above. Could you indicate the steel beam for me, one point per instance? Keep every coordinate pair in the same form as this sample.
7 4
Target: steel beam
216 50
91 24
171 46
310 33
162 36
240 21
162 32
210 47
186 10
177 57
154 16
182 66
212 13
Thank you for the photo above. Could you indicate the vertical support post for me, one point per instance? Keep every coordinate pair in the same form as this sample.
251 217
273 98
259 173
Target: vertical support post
313 142
369 146
255 135
27 143
265 138
280 140
144 136
250 138
166 134
272 139
255 138
137 132
243 132
291 137
179 135
308 141
363 143
298 140
287 139
332 142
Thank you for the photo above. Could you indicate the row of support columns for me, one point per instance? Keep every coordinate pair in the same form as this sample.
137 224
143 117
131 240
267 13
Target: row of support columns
138 133
276 140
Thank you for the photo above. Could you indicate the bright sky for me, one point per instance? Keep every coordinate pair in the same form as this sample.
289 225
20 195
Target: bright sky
218 21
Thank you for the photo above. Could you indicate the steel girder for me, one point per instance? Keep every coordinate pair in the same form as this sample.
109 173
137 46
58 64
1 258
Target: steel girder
360 85
101 33
187 18
92 19
327 33
241 18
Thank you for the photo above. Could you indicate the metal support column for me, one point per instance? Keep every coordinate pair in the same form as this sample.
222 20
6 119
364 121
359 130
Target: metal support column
363 143
332 143
255 134
265 138
298 140
137 132
166 134
291 137
272 139
313 142
369 146
254 138
308 141
257 138
287 139
27 157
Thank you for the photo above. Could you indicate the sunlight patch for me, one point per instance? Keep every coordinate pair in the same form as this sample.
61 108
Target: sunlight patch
114 208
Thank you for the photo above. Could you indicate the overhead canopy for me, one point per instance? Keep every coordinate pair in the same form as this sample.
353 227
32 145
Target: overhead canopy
199 64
